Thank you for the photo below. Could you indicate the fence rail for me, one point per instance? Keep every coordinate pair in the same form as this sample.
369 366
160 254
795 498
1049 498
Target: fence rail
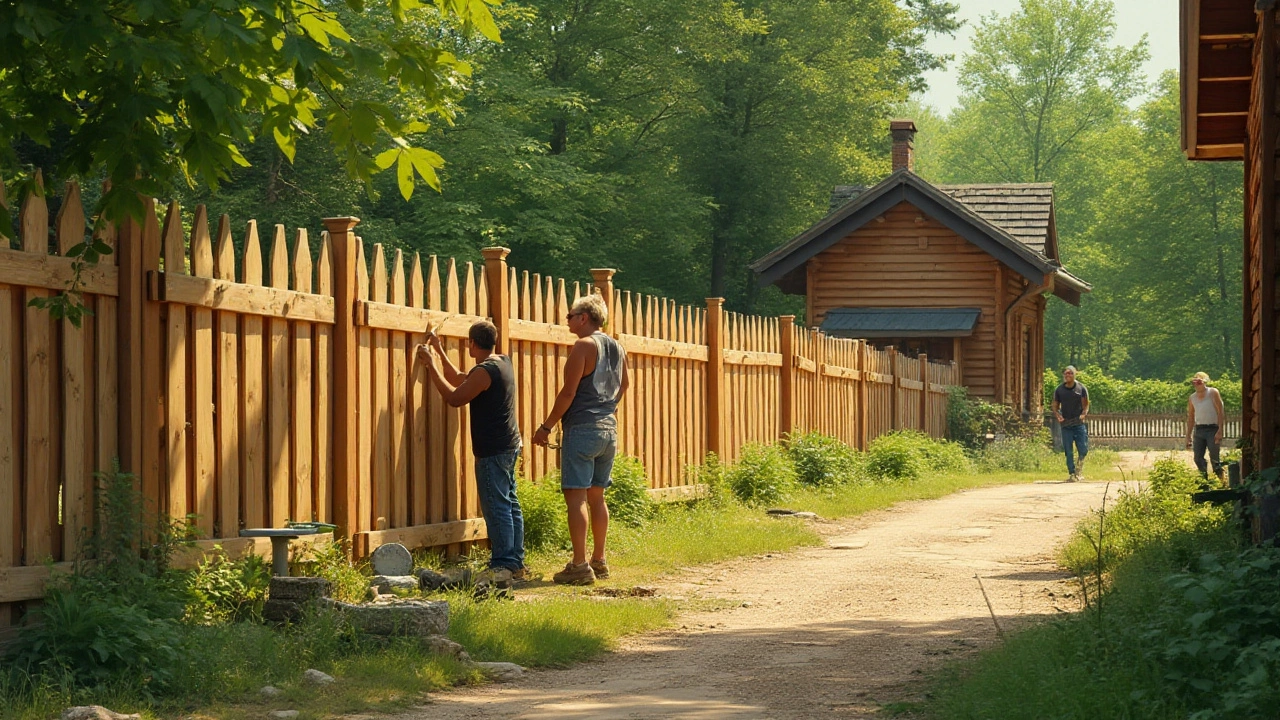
250 380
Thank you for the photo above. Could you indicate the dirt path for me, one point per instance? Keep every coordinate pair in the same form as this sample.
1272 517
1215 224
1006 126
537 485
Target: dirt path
835 630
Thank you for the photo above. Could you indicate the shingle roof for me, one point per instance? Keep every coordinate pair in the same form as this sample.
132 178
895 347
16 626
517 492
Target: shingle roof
1023 210
900 322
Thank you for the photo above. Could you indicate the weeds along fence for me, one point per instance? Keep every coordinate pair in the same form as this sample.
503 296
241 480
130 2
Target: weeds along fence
248 376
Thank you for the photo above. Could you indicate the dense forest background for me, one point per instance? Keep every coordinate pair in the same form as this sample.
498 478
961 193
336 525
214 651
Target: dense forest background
679 141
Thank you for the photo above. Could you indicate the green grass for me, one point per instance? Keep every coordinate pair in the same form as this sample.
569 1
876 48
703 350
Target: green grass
550 631
1113 661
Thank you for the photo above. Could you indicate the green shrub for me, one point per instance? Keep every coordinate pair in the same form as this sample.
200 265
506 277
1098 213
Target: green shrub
821 460
115 619
1015 454
1218 632
762 476
715 476
222 590
1160 516
894 456
906 455
546 524
628 496
85 637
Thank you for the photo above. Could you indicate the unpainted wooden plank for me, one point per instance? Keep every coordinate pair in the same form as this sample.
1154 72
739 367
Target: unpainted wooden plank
227 347
10 430
253 431
40 472
381 390
177 425
200 384
454 475
322 463
54 274
364 437
279 420
418 394
77 483
399 405
436 411
302 389
152 351
448 533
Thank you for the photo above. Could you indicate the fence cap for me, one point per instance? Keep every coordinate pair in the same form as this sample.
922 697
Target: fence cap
340 224
495 253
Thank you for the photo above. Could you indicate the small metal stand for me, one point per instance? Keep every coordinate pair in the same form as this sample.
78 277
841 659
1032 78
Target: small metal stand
280 538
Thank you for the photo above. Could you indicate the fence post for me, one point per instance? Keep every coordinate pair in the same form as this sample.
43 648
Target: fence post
864 395
345 382
495 272
786 382
924 393
895 388
816 412
715 376
602 278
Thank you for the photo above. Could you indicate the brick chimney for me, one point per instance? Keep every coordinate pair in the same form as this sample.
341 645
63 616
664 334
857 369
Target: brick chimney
904 139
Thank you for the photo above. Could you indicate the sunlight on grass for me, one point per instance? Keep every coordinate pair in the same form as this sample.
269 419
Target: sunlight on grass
552 630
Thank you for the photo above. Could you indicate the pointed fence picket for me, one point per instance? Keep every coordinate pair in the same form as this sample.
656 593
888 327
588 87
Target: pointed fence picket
214 365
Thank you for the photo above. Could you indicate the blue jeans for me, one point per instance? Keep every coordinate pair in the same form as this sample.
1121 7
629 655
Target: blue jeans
586 456
496 481
1079 435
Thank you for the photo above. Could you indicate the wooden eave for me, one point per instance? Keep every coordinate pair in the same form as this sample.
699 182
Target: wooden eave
1216 67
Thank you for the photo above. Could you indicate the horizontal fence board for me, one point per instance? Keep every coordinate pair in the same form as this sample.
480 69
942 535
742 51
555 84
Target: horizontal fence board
50 272
750 357
637 345
445 533
229 296
384 316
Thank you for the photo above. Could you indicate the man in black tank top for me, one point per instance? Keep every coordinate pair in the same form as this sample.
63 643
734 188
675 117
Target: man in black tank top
490 388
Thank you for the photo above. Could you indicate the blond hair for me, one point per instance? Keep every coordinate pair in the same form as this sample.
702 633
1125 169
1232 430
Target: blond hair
593 307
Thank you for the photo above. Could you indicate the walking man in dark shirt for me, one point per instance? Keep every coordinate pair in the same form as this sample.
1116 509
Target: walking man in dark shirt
490 388
1071 407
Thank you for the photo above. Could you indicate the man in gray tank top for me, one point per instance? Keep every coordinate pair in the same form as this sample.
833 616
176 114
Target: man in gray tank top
595 377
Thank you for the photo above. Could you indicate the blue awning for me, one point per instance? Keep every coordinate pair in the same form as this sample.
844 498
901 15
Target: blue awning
870 323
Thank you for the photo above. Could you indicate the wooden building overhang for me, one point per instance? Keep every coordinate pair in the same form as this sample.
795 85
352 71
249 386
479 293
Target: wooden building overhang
785 265
879 323
1216 66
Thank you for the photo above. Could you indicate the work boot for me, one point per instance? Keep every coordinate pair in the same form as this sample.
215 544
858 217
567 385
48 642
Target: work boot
600 568
575 575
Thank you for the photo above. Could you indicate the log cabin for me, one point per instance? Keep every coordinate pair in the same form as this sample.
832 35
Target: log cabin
957 272
1229 73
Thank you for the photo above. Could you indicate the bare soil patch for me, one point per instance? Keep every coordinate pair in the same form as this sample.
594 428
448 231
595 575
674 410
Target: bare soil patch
838 630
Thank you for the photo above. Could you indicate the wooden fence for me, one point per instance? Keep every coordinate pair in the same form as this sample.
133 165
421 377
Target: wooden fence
1142 425
248 377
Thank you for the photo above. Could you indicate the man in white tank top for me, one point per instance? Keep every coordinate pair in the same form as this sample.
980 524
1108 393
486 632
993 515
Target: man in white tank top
1205 422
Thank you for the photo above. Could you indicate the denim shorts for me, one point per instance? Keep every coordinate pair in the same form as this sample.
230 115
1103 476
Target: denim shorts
586 456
